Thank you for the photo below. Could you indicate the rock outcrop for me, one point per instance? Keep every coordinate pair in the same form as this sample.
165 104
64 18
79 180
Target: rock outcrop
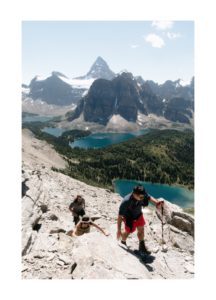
48 253
126 97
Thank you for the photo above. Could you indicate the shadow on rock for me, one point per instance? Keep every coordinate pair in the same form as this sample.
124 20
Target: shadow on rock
144 259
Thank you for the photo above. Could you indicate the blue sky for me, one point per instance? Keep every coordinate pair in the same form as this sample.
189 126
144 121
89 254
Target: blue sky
156 50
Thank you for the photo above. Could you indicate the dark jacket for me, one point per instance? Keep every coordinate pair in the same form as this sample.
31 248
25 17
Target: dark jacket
131 209
78 207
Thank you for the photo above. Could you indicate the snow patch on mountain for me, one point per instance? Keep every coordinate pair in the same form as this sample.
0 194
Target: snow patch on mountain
41 78
184 82
25 90
78 83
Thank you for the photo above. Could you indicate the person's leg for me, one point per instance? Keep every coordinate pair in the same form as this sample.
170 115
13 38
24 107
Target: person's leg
139 224
76 219
140 235
125 235
70 233
127 231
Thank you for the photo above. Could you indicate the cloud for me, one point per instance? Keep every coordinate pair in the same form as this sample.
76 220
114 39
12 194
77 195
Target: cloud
134 46
155 40
173 35
162 25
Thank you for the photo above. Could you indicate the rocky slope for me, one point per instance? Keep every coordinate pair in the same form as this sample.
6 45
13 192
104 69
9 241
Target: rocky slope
48 253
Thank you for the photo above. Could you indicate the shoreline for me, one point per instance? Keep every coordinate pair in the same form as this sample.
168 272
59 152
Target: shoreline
175 185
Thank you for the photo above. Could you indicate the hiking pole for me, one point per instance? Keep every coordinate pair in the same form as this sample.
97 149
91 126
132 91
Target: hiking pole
162 224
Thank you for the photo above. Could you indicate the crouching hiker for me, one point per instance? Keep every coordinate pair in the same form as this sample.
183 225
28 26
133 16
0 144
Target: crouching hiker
130 212
77 207
84 227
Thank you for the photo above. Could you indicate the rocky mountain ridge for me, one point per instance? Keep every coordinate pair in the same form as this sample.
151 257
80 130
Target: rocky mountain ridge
126 97
58 90
102 89
170 89
48 253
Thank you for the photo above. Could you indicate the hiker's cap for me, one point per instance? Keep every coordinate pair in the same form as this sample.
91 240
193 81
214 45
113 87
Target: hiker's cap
139 190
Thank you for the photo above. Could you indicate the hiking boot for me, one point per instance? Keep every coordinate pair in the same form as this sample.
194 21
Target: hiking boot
124 243
142 248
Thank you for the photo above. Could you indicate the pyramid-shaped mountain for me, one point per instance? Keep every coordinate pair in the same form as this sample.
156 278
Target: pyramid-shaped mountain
99 69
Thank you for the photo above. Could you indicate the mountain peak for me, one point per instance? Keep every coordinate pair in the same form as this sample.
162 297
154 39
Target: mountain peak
100 69
57 74
100 60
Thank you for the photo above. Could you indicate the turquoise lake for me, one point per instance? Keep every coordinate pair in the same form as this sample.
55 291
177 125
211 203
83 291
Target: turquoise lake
175 195
97 140
101 140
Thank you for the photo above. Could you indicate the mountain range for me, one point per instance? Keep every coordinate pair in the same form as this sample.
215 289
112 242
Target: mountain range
126 97
102 94
58 89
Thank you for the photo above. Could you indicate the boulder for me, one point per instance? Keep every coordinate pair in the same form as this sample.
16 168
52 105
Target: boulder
182 224
168 210
183 221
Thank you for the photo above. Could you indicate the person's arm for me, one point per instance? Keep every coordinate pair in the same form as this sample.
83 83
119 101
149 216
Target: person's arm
119 222
122 210
71 207
78 225
155 201
99 228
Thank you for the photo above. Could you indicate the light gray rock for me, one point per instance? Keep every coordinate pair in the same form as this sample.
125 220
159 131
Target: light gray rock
164 248
48 253
97 252
168 209
64 259
174 215
182 223
189 268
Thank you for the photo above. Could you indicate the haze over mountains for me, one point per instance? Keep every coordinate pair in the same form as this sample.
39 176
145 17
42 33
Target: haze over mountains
101 94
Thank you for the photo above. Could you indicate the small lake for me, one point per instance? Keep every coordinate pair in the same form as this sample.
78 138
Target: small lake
176 195
101 140
36 118
54 131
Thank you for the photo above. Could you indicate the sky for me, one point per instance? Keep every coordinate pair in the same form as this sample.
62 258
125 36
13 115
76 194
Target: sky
156 50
